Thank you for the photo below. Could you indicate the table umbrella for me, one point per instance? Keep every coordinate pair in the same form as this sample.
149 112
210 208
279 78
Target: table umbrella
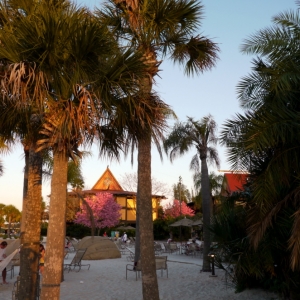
197 222
129 227
121 228
183 222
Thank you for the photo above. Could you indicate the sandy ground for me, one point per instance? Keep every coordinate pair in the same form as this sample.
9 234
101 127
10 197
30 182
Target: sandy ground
106 281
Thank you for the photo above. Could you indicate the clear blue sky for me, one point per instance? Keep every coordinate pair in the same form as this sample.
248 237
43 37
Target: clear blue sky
228 23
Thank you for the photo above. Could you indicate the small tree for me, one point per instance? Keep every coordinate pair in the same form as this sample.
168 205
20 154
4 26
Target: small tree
180 191
174 211
105 210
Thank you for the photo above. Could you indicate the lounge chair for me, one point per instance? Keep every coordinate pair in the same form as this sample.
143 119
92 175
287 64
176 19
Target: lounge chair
122 247
72 245
76 261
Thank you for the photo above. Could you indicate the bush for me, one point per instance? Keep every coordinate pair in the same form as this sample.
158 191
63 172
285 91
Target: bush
78 231
266 267
160 229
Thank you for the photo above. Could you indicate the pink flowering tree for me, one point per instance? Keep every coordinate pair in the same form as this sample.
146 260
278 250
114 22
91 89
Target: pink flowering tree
172 210
105 210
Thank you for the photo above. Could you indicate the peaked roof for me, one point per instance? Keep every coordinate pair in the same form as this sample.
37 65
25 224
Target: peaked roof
107 181
234 182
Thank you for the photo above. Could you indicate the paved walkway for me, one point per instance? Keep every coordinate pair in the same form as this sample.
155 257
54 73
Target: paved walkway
106 281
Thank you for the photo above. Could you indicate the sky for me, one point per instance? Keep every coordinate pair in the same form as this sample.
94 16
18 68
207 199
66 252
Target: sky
227 23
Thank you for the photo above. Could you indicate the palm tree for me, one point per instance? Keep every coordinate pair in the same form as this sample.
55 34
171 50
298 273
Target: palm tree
59 79
12 215
157 27
76 113
5 147
264 139
202 136
21 118
215 183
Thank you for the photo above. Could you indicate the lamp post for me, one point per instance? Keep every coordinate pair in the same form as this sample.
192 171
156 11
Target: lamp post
179 186
212 256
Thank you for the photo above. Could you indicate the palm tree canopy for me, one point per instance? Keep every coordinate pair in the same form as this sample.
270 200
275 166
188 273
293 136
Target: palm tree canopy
265 139
163 27
215 182
198 134
76 66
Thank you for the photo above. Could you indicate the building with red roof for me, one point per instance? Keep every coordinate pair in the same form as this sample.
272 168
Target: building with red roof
233 182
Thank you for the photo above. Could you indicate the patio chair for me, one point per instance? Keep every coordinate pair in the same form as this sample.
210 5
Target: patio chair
158 248
76 261
173 247
199 249
191 249
131 255
167 248
161 264
134 268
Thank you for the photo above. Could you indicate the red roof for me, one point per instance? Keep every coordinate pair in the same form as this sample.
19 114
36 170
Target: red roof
235 182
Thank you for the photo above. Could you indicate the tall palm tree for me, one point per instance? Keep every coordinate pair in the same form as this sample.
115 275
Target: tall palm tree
143 114
71 51
76 112
202 136
215 183
21 107
74 178
264 139
157 27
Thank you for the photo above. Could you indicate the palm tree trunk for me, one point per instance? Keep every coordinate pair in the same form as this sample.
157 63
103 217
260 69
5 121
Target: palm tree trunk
9 225
206 207
25 190
149 278
137 252
29 255
55 237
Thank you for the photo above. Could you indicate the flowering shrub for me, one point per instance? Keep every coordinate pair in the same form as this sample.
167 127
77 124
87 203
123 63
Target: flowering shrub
172 210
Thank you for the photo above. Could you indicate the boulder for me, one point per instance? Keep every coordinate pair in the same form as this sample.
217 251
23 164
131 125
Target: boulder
98 248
